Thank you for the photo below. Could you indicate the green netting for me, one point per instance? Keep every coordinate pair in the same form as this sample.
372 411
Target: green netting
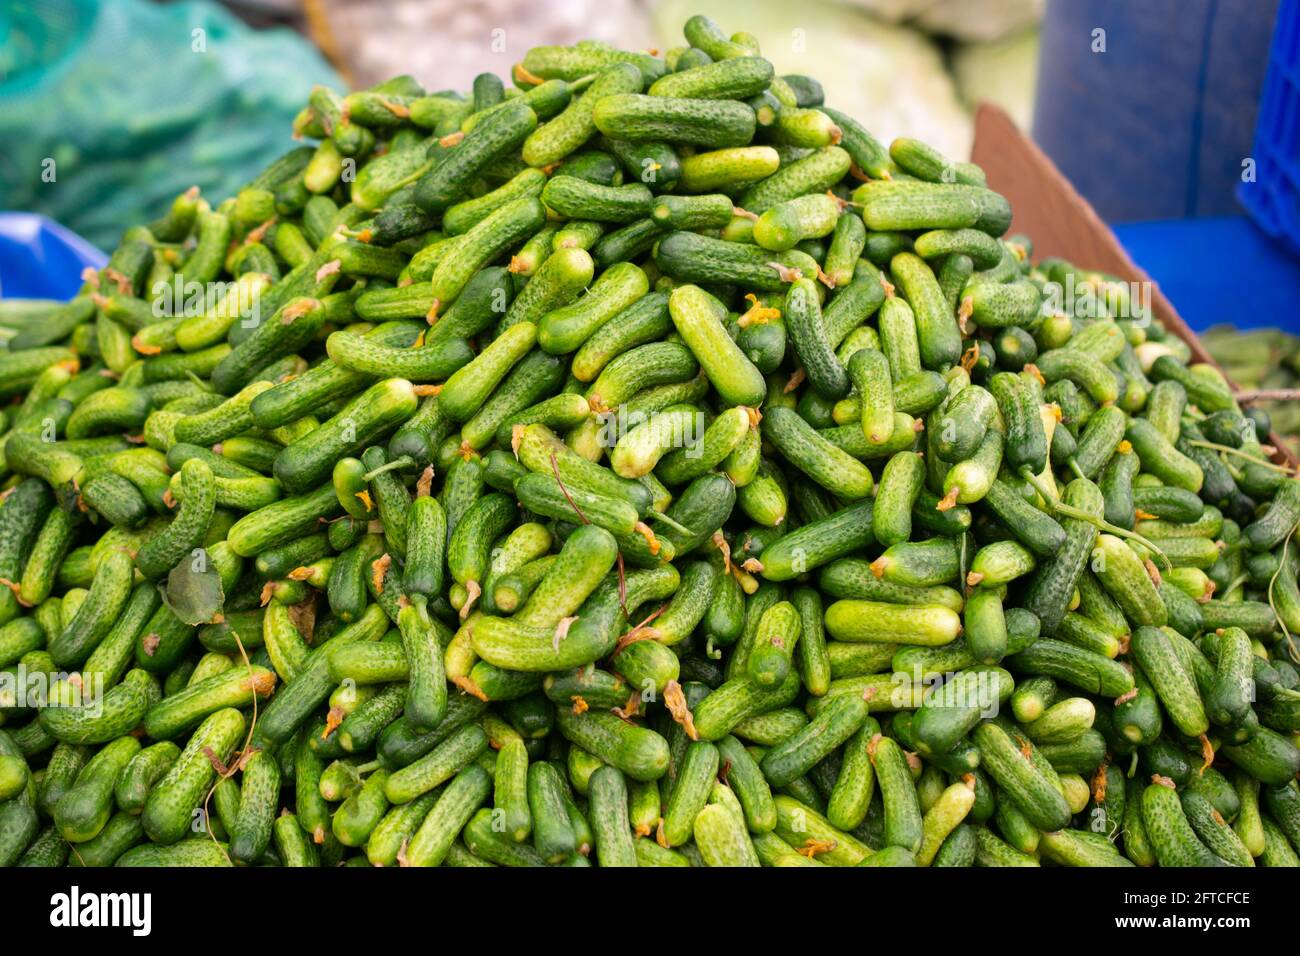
135 102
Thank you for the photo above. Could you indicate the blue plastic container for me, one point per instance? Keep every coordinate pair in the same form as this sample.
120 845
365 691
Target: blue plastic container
1157 125
1273 199
40 259
1265 278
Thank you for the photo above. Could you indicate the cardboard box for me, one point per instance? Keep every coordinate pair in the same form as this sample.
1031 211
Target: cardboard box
1062 223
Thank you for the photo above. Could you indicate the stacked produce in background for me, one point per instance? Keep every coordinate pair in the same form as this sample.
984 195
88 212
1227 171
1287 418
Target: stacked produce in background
991 45
1262 360
639 466
445 44
910 68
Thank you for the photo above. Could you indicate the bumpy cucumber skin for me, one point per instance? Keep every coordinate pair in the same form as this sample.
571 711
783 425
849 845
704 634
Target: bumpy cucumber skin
1052 584
1175 686
728 369
641 754
833 725
903 826
119 712
168 808
820 541
575 125
1172 838
188 853
259 800
608 795
491 139
235 687
82 812
432 841
94 619
869 372
163 551
717 124
696 258
803 319
832 468
1128 582
144 770
426 702
1025 784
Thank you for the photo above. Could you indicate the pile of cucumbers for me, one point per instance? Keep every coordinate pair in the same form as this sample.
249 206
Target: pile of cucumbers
1267 361
638 466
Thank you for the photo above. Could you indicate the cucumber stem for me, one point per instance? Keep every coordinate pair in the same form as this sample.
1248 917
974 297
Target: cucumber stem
1229 450
1044 492
413 177
421 604
1290 641
1251 396
473 590
405 461
962 560
645 531
555 469
1101 524
675 525
1235 583
206 386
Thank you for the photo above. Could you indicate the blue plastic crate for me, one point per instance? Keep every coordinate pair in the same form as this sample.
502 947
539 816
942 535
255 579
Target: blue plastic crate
40 259
1174 253
1174 99
1273 199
